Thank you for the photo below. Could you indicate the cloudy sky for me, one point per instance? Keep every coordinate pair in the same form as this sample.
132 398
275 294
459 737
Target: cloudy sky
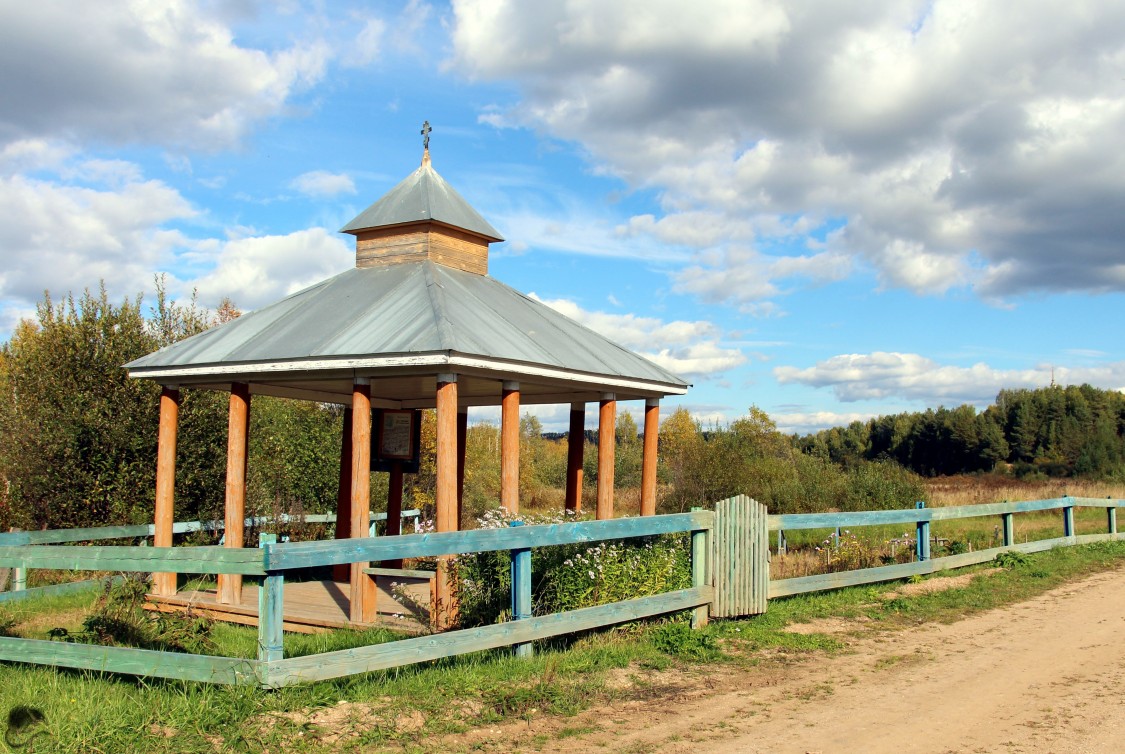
828 210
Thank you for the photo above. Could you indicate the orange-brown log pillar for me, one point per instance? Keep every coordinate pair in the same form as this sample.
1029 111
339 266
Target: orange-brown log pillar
575 448
342 571
607 446
238 436
648 460
510 447
445 494
164 584
362 585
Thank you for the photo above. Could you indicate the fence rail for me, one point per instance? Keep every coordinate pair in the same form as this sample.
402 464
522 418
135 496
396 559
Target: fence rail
921 518
135 531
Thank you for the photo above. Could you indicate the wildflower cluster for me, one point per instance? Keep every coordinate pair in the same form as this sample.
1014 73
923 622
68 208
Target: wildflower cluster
582 576
568 577
847 552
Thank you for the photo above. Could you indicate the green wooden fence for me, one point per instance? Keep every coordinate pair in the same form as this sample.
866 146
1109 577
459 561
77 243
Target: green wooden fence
272 559
730 577
921 518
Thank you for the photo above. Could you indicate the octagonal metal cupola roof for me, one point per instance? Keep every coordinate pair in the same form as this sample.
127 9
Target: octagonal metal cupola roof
422 196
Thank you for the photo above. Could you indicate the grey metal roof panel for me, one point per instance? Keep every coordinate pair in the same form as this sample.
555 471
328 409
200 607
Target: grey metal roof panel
410 308
422 195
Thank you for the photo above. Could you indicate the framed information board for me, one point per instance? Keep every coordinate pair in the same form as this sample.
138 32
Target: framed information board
397 439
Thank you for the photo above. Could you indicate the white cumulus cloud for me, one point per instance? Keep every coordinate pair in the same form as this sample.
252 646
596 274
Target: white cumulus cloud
148 71
321 183
953 144
881 375
61 237
259 270
689 349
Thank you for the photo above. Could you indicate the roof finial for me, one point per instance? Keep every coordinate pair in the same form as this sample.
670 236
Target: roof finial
426 142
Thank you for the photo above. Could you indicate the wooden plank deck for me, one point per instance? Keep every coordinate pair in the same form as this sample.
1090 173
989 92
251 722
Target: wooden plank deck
308 607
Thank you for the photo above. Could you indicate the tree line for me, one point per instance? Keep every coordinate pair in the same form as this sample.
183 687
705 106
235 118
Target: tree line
1056 431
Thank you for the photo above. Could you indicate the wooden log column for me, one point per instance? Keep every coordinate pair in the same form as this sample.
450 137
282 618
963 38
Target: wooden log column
510 447
238 436
164 584
445 494
607 446
362 591
342 572
648 460
575 449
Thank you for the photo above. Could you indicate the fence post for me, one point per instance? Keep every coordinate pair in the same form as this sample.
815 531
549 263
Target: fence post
1111 518
700 554
19 573
782 544
923 535
1068 520
521 589
271 642
1009 530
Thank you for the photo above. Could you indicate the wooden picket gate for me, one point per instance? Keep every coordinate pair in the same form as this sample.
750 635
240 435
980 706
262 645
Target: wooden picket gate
740 554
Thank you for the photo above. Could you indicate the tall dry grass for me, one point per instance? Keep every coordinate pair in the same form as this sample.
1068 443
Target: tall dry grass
975 490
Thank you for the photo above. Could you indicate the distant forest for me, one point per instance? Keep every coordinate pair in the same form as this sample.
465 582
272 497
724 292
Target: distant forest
79 440
1048 432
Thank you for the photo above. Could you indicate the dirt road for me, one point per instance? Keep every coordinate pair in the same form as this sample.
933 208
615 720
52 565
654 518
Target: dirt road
1046 675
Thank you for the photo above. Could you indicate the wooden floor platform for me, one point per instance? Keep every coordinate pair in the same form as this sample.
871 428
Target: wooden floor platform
308 607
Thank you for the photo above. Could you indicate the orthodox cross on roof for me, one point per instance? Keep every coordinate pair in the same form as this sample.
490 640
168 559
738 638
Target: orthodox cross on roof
426 134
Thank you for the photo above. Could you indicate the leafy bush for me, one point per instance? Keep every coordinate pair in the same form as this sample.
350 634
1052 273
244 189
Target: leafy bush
881 485
579 576
1011 559
957 547
569 577
119 618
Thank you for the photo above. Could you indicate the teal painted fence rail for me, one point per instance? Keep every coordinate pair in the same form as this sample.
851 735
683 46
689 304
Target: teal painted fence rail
437 646
99 533
272 559
107 559
922 518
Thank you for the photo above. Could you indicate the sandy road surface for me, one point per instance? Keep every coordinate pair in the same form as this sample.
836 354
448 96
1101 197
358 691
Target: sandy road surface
1046 675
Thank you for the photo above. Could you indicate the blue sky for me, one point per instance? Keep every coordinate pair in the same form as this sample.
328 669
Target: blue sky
831 212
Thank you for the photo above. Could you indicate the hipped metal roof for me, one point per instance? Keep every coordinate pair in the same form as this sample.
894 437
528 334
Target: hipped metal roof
422 195
403 321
